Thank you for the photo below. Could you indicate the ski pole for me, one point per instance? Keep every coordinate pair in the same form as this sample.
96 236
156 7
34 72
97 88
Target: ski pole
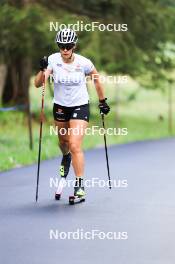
106 151
40 137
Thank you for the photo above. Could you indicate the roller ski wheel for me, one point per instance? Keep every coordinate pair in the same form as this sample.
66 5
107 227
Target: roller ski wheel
57 196
76 199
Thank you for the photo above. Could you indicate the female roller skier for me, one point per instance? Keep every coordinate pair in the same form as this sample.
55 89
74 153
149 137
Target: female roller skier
71 101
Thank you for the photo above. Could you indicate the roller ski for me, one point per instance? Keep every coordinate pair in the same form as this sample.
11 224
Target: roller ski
64 170
78 197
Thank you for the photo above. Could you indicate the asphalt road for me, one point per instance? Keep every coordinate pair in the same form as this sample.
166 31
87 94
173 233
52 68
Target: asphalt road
139 210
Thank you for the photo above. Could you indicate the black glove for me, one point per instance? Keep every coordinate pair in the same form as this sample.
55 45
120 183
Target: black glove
43 63
104 107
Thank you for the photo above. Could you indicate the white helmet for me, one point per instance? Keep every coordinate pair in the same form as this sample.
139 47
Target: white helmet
66 36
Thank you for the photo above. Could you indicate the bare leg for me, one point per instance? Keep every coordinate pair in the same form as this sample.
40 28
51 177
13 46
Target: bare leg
75 142
63 139
64 146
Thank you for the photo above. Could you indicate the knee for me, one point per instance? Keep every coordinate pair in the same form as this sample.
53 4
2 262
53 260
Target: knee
64 143
74 147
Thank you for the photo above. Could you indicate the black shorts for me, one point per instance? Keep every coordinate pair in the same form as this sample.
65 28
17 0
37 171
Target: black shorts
64 113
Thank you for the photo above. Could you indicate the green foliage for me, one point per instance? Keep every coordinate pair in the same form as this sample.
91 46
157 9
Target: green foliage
23 32
145 47
141 116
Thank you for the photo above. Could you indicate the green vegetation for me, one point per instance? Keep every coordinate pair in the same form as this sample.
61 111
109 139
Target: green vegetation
145 52
142 112
146 47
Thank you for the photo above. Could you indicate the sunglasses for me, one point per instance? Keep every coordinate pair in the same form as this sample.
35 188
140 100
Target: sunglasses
67 46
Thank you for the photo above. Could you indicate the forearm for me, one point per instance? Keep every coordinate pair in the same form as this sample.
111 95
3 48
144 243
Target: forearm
98 85
39 79
99 89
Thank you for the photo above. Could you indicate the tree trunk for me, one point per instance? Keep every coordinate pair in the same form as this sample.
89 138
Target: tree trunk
17 82
25 71
117 107
7 93
170 110
3 73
